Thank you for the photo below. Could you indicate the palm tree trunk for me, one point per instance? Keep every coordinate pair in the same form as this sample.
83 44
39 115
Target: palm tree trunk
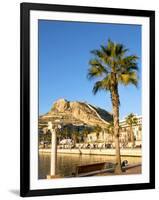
115 103
132 137
74 138
85 138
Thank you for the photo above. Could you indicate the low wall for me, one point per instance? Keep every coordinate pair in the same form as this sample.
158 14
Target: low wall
111 152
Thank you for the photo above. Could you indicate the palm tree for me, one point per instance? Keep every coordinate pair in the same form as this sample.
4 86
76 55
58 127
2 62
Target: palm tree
110 129
85 135
112 66
97 130
75 136
131 120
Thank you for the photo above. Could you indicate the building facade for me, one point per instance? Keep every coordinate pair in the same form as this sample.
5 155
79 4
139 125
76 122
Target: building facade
125 138
137 130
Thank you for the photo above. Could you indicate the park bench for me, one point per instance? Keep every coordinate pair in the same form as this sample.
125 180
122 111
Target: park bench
92 169
101 168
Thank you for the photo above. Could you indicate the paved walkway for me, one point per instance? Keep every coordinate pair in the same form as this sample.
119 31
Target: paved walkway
124 152
135 170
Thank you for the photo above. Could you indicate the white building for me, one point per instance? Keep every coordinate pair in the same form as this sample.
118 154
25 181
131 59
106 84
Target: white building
106 137
137 129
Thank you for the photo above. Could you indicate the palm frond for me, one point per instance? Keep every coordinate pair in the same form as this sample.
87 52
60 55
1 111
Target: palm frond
104 84
97 87
131 119
128 78
120 50
97 53
96 69
103 57
112 59
127 64
106 52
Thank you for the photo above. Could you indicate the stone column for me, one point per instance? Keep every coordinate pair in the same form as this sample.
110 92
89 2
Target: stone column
53 161
53 153
53 158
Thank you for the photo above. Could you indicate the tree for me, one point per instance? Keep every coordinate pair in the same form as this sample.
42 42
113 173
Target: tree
85 133
110 129
75 136
131 120
97 129
112 66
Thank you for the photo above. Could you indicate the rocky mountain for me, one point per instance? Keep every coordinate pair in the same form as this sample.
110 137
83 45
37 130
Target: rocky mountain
76 113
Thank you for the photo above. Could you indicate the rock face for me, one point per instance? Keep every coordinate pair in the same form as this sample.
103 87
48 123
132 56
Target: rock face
60 106
76 113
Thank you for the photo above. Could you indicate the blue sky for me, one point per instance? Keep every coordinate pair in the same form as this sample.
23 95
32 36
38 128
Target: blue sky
64 53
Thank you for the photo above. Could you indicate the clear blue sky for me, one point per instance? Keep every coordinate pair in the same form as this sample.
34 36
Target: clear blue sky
64 53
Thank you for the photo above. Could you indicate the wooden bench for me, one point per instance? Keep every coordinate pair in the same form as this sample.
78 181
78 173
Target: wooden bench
91 169
99 168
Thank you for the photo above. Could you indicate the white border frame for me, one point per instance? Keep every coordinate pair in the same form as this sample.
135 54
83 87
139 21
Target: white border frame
86 181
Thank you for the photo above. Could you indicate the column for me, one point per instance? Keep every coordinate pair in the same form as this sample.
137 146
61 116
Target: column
53 153
53 160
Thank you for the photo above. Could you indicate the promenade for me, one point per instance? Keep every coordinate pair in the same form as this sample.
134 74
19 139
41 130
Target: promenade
136 152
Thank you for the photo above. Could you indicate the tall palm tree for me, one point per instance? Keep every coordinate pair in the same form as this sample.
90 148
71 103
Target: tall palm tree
112 66
131 120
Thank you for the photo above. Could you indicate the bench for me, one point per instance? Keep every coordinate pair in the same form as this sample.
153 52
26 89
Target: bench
100 168
91 169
